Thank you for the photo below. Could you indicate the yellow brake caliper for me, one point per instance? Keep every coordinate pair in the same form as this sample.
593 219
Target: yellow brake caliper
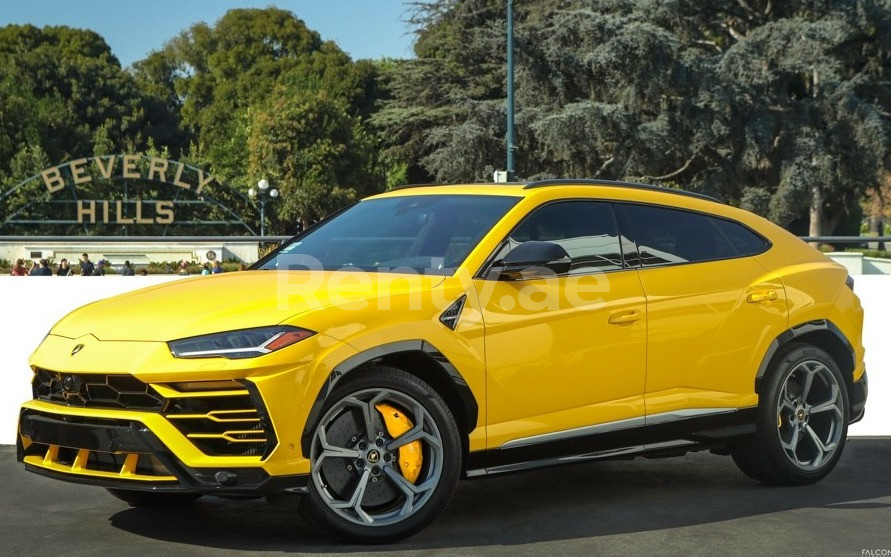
410 457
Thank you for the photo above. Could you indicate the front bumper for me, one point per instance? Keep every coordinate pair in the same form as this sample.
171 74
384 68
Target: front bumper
858 394
126 454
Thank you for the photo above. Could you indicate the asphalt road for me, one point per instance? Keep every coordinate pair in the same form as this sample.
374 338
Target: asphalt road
698 504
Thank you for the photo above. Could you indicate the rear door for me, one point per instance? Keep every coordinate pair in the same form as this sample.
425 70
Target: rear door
712 310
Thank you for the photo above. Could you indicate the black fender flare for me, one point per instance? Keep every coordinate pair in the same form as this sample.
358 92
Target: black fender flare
798 331
416 346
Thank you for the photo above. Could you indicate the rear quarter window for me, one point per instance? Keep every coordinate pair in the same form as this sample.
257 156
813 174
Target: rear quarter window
743 239
668 236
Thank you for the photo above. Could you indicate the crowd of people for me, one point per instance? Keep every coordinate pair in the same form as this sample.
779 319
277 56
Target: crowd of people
206 269
43 268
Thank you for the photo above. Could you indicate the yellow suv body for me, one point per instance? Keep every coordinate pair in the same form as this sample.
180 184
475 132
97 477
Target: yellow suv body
432 333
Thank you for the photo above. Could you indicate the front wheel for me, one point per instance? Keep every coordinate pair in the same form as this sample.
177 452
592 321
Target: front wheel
385 457
802 420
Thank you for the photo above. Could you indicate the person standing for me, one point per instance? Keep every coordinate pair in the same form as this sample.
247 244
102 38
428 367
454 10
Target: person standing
217 268
86 266
64 269
127 271
100 268
42 269
18 269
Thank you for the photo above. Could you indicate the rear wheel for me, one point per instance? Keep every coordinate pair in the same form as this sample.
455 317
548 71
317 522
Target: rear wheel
802 420
385 457
153 498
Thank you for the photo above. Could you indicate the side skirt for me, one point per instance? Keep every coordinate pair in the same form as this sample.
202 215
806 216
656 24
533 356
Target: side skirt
669 438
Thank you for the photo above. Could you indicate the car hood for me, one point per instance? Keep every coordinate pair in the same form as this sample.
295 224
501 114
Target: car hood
228 301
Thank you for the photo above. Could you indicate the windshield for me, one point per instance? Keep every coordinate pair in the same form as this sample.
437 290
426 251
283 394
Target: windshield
427 234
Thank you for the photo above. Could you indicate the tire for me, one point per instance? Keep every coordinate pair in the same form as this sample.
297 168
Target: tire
802 420
358 490
153 498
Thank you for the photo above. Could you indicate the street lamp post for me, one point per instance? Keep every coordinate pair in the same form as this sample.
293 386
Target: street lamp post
263 194
510 139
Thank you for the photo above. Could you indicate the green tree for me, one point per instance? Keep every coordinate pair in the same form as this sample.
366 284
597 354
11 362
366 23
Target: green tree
213 75
59 85
443 111
20 203
63 96
780 107
317 154
230 82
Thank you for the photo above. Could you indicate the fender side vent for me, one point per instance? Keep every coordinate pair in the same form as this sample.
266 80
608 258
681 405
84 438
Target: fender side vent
450 316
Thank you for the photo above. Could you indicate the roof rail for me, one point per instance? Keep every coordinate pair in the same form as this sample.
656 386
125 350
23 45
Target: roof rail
611 183
407 186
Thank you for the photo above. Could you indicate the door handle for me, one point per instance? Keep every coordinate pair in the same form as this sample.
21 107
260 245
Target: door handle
624 316
762 296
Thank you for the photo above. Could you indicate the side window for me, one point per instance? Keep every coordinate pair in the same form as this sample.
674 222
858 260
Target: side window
666 236
743 239
585 229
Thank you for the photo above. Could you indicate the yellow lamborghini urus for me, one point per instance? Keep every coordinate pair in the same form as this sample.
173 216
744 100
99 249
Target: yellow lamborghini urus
435 333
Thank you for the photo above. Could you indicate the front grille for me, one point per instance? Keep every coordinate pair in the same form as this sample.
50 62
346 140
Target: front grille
221 425
95 391
125 466
52 447
219 422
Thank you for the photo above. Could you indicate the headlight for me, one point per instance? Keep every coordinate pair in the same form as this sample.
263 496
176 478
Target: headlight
244 343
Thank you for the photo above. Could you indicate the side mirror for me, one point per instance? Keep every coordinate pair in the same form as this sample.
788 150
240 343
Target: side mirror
529 259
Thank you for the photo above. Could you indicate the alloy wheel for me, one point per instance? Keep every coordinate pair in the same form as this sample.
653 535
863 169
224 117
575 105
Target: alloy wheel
810 415
356 466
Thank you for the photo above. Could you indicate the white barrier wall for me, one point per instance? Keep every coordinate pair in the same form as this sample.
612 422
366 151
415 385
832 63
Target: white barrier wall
29 306
875 295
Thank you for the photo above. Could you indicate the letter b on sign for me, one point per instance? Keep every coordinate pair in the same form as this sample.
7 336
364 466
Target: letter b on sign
53 180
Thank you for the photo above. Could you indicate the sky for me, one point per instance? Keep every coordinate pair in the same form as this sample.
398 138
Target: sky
133 28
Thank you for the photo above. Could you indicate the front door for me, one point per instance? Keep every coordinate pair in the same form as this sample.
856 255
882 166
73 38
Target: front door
568 352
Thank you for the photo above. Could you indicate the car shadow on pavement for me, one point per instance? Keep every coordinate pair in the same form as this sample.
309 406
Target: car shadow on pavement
571 502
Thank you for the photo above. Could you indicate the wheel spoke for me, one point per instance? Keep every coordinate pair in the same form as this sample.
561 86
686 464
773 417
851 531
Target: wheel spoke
828 405
784 393
416 433
355 501
785 401
811 371
792 445
785 405
822 450
408 489
808 381
406 486
369 421
367 409
331 451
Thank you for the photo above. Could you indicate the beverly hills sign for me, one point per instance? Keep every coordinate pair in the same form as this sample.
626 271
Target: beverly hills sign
125 167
